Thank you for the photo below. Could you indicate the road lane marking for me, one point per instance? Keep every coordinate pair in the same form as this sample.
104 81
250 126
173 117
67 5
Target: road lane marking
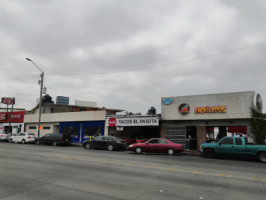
179 170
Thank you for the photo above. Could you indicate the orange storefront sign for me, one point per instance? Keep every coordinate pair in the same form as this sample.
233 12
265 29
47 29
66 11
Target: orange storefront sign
210 109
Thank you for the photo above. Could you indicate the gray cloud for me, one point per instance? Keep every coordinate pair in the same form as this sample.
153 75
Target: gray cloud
124 41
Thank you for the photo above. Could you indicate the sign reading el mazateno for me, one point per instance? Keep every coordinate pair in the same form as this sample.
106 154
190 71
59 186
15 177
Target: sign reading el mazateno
136 121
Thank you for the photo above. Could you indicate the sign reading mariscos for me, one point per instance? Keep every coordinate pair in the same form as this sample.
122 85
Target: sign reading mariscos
136 121
208 109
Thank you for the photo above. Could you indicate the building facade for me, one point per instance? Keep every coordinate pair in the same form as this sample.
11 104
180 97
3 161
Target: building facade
192 120
14 119
78 121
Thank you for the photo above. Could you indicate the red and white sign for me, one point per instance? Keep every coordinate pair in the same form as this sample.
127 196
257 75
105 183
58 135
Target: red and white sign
17 117
112 122
8 100
132 121
3 117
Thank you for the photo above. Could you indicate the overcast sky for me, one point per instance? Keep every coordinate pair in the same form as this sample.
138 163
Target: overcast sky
127 54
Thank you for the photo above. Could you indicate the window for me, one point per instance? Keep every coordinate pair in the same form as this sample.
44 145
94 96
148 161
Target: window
161 141
227 141
155 141
70 130
46 127
92 131
98 138
32 127
238 141
106 139
22 134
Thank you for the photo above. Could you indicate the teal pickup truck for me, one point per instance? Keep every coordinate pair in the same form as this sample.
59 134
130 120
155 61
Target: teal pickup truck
235 147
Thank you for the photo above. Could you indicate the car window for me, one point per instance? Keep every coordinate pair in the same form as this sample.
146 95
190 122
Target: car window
238 141
227 141
154 141
114 138
22 134
106 139
162 141
31 134
99 138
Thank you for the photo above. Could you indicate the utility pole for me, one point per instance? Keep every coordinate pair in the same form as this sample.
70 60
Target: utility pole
40 102
10 117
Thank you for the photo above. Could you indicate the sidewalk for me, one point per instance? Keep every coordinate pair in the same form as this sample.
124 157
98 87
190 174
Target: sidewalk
191 152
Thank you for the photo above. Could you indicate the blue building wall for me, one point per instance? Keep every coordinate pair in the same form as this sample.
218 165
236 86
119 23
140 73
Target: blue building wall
79 129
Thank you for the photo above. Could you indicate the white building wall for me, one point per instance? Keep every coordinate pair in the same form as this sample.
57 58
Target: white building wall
238 106
53 120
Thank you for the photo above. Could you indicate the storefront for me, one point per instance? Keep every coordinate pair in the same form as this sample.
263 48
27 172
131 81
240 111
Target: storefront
192 120
133 127
15 122
80 125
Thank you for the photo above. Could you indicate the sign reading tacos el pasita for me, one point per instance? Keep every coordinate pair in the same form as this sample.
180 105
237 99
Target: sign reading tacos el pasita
135 121
210 109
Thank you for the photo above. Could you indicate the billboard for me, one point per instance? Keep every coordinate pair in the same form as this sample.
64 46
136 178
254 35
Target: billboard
8 100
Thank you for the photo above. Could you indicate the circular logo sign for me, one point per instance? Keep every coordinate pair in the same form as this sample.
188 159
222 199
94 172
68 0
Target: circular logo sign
184 108
167 101
257 102
112 122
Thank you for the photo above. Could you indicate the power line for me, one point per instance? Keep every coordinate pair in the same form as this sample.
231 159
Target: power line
166 65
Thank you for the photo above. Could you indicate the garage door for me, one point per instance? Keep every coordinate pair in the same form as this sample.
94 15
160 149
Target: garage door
176 134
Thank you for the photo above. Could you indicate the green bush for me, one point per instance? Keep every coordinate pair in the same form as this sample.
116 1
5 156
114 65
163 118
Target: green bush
258 126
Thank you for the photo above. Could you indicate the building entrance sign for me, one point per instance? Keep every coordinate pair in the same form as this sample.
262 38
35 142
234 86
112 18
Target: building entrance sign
136 121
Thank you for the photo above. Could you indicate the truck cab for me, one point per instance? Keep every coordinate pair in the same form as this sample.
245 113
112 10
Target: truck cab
234 147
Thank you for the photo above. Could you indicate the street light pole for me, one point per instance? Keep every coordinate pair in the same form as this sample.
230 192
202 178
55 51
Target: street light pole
41 88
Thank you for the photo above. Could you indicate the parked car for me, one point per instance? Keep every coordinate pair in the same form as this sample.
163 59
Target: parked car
105 142
234 147
157 145
5 136
54 139
23 137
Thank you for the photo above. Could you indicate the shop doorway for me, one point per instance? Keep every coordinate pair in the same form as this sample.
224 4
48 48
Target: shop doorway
133 134
191 137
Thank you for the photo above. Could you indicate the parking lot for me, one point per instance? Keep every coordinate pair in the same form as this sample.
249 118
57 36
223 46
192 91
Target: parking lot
45 172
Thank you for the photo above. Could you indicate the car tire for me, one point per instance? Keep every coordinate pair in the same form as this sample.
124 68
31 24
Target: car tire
10 140
171 152
262 157
23 141
208 153
87 146
110 147
54 144
138 150
38 142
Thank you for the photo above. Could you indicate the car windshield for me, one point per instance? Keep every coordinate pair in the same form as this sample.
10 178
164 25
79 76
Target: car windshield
31 134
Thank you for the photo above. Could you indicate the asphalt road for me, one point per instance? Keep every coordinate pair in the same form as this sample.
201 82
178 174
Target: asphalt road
46 172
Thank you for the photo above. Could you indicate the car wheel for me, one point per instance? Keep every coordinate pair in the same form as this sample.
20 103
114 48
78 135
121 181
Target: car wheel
208 153
54 144
38 142
262 157
171 152
110 147
10 140
138 150
23 141
87 146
